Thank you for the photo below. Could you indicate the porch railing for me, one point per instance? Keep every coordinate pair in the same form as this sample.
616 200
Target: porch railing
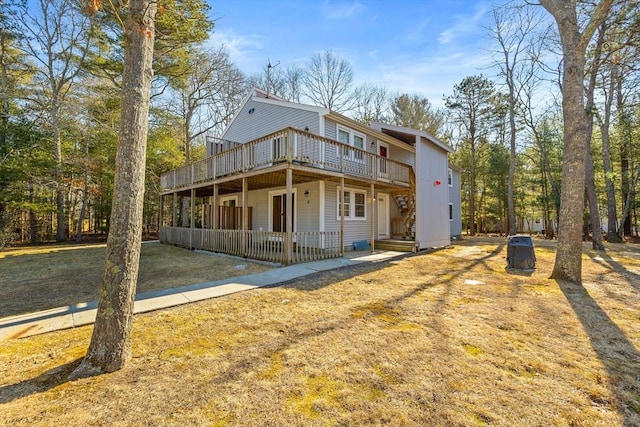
293 146
261 245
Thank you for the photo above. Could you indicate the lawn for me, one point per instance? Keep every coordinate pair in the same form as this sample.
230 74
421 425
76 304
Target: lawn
448 338
44 277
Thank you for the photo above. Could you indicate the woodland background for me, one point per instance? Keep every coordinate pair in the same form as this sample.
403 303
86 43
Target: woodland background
60 77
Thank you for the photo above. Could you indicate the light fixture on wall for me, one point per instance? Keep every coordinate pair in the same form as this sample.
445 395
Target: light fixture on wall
306 193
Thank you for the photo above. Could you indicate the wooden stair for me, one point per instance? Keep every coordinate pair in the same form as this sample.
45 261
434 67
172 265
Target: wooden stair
406 202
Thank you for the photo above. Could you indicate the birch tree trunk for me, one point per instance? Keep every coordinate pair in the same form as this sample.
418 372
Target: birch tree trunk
568 262
110 347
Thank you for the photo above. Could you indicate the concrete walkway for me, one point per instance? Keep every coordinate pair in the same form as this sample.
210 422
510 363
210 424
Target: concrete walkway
25 325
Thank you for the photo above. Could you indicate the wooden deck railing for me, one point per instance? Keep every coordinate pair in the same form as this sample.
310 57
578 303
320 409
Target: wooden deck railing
262 245
293 146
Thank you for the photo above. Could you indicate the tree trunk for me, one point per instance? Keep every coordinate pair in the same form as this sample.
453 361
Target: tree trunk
605 121
594 211
61 220
592 198
511 209
85 194
110 347
568 262
472 192
625 142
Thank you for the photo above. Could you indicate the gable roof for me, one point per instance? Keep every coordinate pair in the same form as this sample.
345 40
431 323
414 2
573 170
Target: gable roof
391 134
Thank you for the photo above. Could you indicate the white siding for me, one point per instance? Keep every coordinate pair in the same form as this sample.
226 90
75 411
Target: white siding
307 208
456 200
267 118
432 201
353 229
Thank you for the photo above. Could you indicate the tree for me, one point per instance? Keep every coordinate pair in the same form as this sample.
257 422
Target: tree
110 347
471 108
513 30
57 38
574 41
202 97
371 103
327 81
415 111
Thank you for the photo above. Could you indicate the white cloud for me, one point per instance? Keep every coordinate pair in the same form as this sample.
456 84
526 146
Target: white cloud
242 48
432 76
463 25
338 11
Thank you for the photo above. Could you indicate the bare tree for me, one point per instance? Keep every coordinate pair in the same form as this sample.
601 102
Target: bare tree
327 81
574 40
110 347
293 82
57 41
202 97
371 103
514 30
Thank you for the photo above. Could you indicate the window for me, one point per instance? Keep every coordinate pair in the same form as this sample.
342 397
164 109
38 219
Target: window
356 140
279 147
354 203
450 211
450 177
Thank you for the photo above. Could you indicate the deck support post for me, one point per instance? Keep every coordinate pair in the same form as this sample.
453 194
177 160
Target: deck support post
174 211
341 204
214 222
160 214
245 218
192 216
373 216
289 218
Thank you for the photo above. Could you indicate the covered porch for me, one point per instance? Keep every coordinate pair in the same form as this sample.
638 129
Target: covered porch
275 211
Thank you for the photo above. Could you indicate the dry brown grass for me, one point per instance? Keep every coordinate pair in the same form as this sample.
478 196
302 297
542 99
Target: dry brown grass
404 343
44 277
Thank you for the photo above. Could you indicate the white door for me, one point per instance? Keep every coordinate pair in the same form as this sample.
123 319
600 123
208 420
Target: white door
383 215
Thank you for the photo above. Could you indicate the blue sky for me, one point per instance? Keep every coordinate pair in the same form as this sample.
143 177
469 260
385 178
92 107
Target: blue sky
410 46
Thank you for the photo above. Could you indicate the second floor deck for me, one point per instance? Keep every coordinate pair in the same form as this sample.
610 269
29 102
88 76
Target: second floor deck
294 147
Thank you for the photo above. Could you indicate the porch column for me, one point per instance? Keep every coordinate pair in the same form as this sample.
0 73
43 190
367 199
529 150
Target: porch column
289 219
160 214
174 211
373 216
245 190
341 204
192 216
215 207
245 219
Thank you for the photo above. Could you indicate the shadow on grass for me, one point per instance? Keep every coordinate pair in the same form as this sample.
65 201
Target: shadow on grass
631 277
327 278
43 382
614 349
59 375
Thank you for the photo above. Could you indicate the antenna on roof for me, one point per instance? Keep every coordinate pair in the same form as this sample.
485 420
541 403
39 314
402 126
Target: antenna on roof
269 67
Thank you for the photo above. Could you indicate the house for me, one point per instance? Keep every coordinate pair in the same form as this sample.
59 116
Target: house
289 182
455 201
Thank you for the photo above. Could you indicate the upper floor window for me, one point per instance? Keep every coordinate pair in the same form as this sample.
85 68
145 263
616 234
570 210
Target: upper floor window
450 177
354 139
